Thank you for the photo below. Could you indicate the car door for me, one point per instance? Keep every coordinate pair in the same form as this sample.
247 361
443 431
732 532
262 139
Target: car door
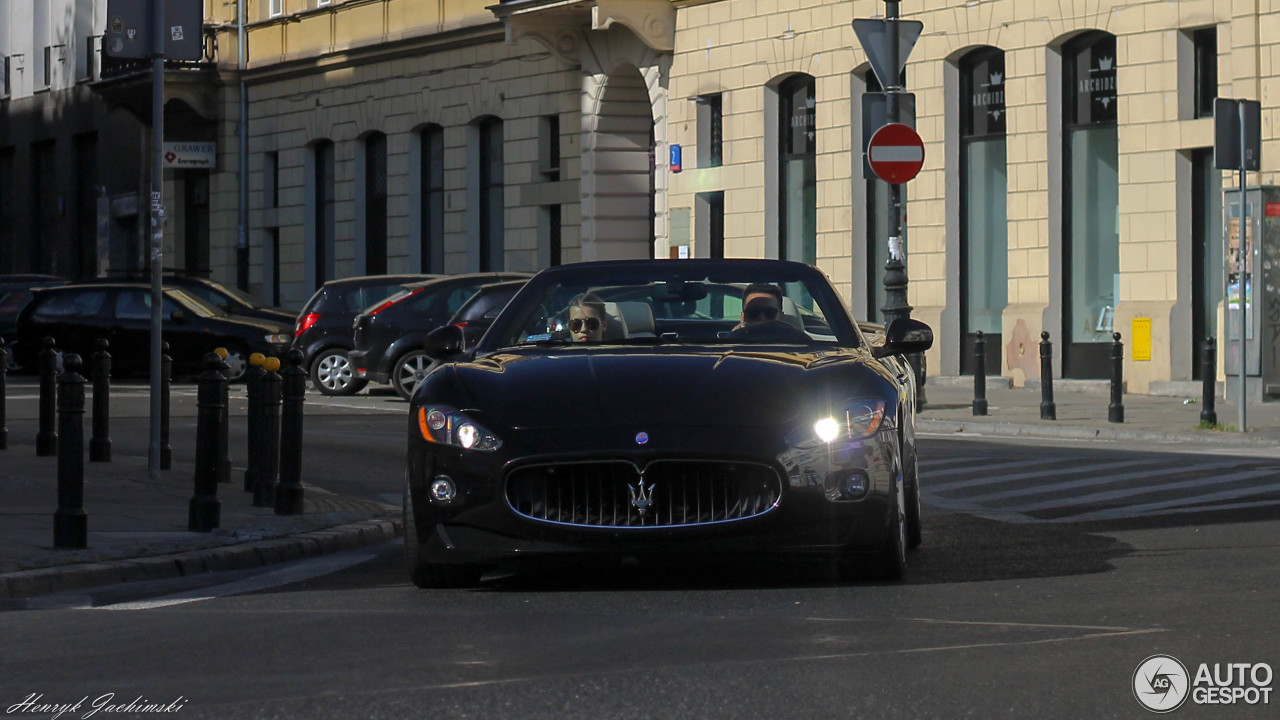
73 318
130 311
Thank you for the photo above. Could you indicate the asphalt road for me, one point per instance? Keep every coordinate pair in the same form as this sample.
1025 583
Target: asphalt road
1049 572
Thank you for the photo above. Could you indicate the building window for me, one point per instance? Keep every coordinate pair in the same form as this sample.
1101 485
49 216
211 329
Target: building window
549 147
431 199
8 69
323 218
797 184
710 131
271 180
1206 70
322 3
984 187
553 235
375 204
1206 251
710 227
275 8
47 71
1091 246
492 206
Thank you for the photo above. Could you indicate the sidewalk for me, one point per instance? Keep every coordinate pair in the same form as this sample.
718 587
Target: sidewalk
138 526
1082 413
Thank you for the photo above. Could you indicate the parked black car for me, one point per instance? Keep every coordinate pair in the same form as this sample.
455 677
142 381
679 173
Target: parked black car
15 293
451 341
322 331
230 300
680 434
388 341
76 316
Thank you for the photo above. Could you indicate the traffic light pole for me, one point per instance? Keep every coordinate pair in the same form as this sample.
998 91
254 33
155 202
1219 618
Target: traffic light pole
895 269
157 228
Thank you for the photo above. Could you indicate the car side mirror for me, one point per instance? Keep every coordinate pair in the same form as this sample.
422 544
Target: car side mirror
226 308
444 340
178 316
905 336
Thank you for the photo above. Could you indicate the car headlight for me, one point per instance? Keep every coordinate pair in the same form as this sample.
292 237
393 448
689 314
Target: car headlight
851 420
278 339
448 426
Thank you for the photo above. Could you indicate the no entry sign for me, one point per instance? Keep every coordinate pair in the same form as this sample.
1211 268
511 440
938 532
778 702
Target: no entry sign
895 153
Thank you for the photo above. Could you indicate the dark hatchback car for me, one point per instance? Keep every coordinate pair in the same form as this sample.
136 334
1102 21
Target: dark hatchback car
322 331
230 300
76 316
451 341
15 292
388 339
681 435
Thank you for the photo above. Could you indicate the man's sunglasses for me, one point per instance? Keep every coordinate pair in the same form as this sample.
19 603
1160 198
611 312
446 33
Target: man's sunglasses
762 312
593 324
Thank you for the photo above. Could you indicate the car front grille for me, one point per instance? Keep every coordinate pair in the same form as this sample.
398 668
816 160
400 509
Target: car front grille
673 493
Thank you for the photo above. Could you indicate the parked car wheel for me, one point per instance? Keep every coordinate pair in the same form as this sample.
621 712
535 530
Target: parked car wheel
332 374
914 533
425 574
237 362
409 370
11 363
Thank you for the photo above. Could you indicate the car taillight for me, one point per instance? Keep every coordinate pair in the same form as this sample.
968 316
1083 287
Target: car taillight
304 323
392 301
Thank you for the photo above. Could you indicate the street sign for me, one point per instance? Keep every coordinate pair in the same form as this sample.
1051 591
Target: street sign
873 33
130 34
875 114
1226 134
190 155
895 153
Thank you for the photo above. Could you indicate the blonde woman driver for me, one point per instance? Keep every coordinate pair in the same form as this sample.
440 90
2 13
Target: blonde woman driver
587 318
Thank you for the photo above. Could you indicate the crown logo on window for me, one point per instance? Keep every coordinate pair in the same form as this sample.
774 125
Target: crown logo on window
1104 64
997 78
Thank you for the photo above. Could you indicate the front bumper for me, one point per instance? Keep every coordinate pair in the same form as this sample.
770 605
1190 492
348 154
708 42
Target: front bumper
480 527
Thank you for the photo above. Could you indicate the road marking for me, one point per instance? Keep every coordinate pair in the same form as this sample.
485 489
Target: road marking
292 573
1151 508
1056 471
1091 481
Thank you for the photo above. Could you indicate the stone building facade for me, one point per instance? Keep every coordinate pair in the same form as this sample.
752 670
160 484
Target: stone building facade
1069 184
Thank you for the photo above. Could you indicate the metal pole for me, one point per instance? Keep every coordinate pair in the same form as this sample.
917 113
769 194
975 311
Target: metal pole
70 523
242 239
1243 257
157 226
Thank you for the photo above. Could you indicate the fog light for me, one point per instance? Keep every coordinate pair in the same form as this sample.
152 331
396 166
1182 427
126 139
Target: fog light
847 485
443 490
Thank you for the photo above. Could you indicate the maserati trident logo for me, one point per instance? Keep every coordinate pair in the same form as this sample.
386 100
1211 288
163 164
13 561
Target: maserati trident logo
641 496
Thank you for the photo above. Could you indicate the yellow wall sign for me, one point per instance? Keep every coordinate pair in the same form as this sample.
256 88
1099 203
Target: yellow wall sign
1141 339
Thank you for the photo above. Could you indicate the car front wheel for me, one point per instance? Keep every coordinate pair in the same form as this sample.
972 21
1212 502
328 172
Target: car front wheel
332 374
409 370
425 574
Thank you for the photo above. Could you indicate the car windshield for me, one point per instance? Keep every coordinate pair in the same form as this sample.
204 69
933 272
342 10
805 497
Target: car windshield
686 302
215 293
192 303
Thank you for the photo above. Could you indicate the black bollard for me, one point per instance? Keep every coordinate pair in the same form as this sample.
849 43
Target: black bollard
100 443
204 511
293 394
70 523
166 380
4 367
1209 372
1048 411
253 421
224 457
264 488
1115 411
980 376
47 437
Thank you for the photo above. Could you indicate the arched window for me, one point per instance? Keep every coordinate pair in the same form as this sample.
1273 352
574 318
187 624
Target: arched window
322 210
1091 187
797 183
375 204
431 198
984 186
492 205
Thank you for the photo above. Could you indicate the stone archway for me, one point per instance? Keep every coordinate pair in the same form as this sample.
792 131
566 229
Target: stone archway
619 192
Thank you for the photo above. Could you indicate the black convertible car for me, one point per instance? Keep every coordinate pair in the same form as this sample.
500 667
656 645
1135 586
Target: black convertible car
637 409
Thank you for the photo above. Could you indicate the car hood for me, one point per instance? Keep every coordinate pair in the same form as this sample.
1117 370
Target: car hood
710 388
247 324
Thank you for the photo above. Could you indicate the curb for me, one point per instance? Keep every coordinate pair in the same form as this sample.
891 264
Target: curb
61 578
1076 432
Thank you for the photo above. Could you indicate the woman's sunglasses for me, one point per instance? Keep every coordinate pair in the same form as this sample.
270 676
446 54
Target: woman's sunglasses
593 324
762 312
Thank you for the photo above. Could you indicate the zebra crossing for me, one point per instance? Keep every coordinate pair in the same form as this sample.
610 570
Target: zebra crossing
1054 487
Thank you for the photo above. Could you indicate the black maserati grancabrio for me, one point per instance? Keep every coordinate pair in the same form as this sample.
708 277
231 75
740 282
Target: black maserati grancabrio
654 408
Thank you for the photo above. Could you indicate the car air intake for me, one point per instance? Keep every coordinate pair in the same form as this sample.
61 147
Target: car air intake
669 494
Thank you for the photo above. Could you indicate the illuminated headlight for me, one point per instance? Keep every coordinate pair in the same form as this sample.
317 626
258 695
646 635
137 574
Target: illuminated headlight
854 420
279 339
448 426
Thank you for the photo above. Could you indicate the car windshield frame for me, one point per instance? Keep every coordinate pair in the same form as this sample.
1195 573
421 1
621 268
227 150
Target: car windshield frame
240 296
544 297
